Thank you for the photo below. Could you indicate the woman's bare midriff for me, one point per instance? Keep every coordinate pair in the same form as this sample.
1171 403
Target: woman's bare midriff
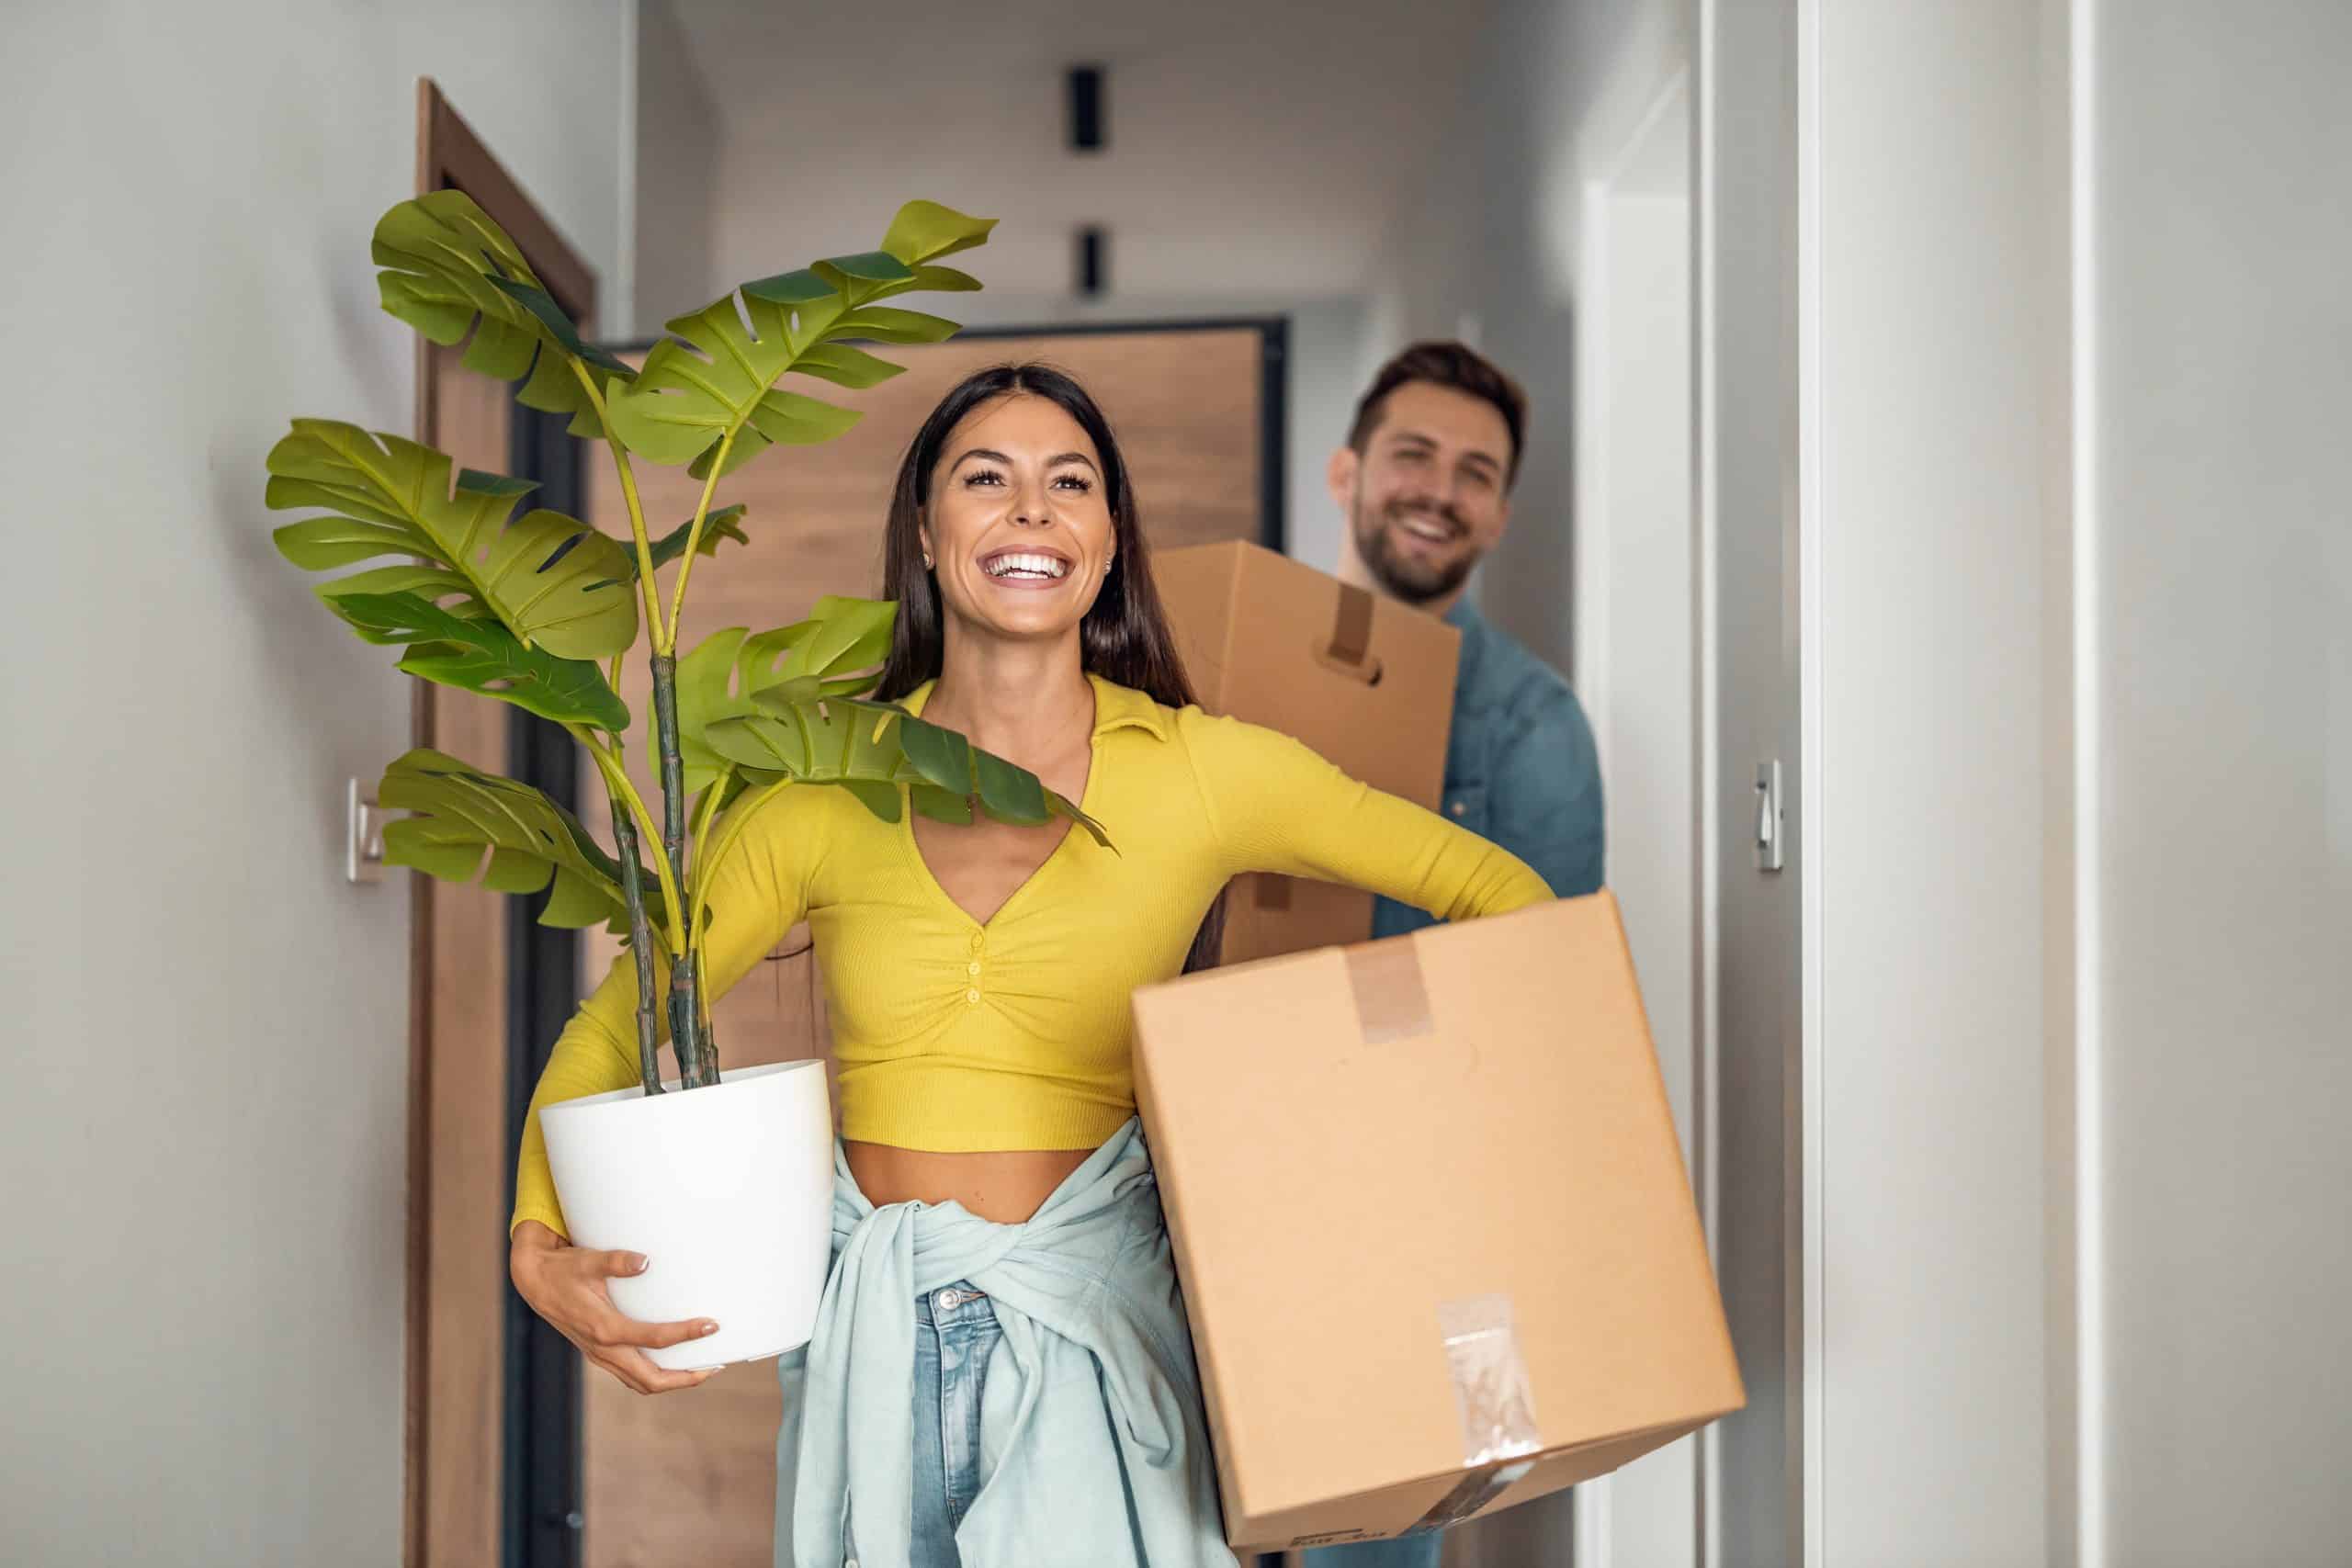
1006 1187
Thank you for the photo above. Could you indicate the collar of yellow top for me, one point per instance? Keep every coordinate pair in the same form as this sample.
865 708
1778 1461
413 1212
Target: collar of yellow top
1115 707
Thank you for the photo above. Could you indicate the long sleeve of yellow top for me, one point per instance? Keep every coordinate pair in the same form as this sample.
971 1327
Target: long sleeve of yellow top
957 1034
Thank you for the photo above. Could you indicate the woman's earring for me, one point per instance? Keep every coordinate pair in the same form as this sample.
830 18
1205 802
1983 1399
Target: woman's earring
926 561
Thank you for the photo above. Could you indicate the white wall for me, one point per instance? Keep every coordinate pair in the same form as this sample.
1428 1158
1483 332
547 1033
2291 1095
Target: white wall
1637 573
2222 591
1932 270
674 224
1328 374
1493 234
2078 634
202 1137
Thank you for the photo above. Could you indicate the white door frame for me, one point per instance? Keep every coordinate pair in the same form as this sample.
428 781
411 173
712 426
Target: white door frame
1636 219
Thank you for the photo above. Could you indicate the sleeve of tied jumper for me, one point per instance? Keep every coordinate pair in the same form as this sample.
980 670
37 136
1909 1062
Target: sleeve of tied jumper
760 891
1275 805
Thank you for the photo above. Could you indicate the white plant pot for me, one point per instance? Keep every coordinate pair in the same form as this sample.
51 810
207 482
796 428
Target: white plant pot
727 1190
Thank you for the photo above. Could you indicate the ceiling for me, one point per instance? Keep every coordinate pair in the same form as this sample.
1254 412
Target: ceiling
1258 151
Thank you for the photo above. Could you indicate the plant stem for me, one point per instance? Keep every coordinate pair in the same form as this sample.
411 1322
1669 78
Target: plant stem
704 818
646 587
617 782
698 1066
694 538
640 940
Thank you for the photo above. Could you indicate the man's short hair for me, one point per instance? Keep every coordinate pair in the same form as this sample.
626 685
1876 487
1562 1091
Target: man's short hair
1445 364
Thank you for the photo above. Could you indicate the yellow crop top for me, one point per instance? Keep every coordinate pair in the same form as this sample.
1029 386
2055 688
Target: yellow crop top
953 1035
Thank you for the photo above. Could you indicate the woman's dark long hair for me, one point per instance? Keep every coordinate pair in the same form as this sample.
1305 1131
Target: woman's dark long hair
1124 637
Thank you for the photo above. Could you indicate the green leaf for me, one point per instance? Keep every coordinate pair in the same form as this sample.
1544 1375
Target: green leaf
924 230
831 654
449 270
726 522
476 826
884 323
715 382
877 748
554 581
799 287
559 327
842 636
683 403
705 695
483 656
866 266
847 367
938 280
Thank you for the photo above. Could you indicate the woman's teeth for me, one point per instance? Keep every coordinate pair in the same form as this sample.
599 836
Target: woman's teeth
1033 567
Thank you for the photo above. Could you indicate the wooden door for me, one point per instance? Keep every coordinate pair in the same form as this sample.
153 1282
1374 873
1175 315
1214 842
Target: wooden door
459 1145
690 1477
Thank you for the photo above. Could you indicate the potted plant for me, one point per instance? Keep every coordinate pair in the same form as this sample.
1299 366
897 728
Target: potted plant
725 1175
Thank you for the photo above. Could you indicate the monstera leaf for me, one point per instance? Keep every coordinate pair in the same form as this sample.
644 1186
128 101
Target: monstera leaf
719 387
833 653
725 523
871 748
449 270
555 581
483 656
477 826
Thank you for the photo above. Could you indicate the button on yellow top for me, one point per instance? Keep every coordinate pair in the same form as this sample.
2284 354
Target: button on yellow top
978 942
973 967
972 995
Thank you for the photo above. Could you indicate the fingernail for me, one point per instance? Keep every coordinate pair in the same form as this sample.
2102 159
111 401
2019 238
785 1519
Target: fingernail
708 1327
643 1263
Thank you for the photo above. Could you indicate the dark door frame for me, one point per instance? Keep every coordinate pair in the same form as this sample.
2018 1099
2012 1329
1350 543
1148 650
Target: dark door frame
540 1521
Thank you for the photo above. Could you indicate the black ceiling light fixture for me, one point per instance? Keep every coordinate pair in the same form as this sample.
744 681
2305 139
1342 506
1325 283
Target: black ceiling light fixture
1087 133
1094 262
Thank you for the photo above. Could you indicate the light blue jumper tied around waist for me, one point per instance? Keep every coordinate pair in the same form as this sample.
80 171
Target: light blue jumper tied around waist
1095 1449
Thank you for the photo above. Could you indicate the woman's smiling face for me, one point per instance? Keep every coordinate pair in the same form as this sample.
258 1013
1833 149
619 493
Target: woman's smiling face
1018 526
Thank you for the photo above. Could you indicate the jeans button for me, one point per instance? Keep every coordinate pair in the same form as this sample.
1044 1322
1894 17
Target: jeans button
948 1301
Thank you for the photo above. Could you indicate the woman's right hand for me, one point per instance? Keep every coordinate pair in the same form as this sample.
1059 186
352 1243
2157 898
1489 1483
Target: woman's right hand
565 1285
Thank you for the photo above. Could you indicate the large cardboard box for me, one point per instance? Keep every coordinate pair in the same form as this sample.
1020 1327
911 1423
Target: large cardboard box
1366 681
1432 1224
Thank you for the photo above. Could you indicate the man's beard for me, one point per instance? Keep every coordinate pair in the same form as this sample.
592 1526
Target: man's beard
1413 581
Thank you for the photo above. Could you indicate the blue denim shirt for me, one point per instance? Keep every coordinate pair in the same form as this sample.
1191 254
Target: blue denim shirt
1520 769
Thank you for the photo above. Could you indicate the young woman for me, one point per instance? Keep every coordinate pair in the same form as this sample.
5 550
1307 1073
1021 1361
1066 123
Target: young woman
1000 1374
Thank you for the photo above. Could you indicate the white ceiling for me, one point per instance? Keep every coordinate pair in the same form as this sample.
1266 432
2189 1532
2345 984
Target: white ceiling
1258 149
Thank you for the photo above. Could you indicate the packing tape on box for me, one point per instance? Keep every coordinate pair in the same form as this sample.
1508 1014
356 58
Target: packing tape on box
1392 1002
1495 1400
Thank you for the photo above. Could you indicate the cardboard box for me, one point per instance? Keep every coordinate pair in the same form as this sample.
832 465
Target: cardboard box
1366 681
1432 1224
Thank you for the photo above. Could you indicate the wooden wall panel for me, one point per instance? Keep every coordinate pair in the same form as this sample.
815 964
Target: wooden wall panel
690 1477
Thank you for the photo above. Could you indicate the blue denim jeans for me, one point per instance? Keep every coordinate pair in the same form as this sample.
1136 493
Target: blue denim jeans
1407 1552
956 1333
